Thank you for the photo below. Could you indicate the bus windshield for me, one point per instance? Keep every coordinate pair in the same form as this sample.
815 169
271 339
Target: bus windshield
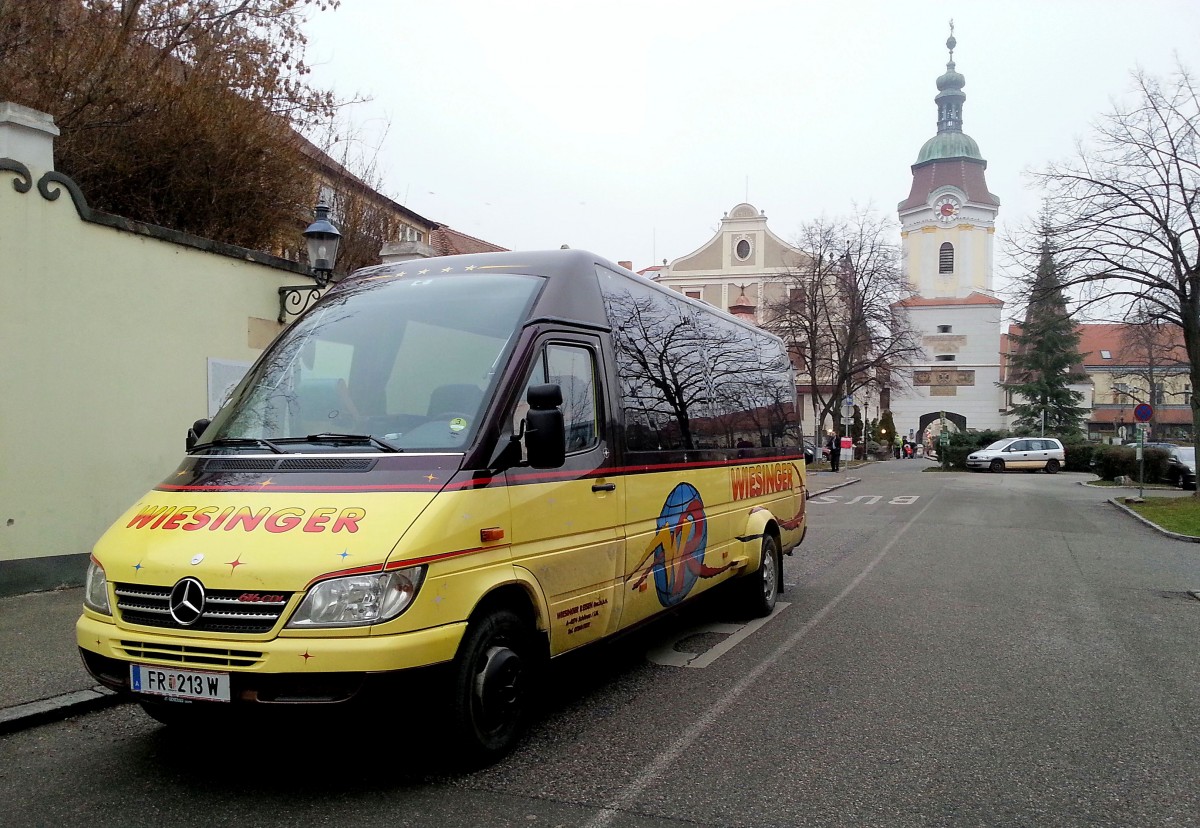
387 363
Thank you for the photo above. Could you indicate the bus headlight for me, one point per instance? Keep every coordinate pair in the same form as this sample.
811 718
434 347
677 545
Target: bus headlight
359 599
95 590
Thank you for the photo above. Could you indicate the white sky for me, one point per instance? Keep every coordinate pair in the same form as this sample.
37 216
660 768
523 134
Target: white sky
629 128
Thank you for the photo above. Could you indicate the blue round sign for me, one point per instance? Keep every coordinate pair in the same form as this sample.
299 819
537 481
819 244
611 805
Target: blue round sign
1143 413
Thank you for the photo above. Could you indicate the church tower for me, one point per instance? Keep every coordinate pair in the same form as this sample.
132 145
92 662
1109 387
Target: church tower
948 224
948 221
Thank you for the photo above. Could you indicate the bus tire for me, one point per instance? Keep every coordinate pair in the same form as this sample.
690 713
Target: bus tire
491 685
761 588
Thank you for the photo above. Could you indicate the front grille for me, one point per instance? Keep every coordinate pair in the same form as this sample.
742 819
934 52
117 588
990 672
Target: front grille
191 656
225 610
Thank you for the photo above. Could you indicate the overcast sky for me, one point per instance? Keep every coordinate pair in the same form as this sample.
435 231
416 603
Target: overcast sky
629 128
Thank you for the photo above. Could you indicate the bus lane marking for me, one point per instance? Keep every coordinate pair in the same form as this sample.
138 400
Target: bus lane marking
668 757
866 500
667 656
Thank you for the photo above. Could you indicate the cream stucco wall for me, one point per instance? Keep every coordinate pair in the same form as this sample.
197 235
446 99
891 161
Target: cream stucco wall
921 250
105 337
974 341
715 269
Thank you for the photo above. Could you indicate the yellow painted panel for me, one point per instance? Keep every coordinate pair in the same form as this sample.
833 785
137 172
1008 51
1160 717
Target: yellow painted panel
288 655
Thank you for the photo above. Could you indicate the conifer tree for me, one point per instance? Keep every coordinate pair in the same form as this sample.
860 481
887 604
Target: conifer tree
1045 359
888 426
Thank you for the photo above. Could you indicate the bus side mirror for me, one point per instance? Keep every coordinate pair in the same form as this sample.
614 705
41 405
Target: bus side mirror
193 434
545 434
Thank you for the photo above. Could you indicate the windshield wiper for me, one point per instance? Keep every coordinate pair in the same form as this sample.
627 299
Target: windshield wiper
360 439
234 442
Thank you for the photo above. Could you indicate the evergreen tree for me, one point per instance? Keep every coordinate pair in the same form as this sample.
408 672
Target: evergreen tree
1045 359
888 429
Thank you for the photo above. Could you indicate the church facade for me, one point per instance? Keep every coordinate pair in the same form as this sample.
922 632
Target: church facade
948 225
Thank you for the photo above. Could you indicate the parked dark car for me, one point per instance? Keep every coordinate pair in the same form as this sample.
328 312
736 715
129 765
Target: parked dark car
1181 466
813 454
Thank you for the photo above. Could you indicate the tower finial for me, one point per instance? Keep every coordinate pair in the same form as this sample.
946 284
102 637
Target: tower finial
950 41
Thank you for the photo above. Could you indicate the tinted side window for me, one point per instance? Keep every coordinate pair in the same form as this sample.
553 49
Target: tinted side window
664 384
695 380
573 369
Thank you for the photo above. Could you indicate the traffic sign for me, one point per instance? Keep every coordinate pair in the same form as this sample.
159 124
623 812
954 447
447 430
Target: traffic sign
1143 412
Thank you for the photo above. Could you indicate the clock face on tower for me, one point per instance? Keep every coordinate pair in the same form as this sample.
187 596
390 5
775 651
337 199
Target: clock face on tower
946 209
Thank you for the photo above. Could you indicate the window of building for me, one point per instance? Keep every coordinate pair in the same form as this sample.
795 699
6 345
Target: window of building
694 294
945 328
1187 395
1105 354
743 249
944 357
946 258
1160 398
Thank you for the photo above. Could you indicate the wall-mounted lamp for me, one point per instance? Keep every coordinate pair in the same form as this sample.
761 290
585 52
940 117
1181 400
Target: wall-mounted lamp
322 239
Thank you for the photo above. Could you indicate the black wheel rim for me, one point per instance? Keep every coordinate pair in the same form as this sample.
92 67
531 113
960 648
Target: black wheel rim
498 690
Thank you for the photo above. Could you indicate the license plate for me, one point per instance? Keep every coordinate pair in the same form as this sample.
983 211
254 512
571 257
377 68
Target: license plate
179 684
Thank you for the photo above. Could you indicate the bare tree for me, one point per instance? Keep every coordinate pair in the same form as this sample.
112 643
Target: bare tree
1125 213
1151 355
180 113
838 314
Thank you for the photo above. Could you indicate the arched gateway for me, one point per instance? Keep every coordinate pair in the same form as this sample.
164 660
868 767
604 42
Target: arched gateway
958 420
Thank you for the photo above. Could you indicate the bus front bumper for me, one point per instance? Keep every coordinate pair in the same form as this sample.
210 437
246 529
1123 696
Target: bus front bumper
281 670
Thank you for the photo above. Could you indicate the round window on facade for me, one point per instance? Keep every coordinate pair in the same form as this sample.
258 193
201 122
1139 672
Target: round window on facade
743 249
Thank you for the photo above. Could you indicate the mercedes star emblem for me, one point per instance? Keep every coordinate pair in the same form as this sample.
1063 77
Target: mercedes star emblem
187 602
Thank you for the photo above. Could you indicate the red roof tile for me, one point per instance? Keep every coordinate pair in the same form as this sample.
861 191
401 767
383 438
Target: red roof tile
446 241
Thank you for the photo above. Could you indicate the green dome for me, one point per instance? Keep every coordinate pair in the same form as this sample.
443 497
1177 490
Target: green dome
949 145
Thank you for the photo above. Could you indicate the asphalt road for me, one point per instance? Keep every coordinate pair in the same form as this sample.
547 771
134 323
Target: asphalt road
956 650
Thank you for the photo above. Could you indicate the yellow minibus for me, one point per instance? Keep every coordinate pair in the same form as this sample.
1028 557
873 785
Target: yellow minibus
459 467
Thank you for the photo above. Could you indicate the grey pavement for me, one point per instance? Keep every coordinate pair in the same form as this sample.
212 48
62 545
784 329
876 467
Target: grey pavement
42 677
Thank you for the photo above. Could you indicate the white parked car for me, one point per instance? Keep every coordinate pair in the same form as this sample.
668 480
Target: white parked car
1030 453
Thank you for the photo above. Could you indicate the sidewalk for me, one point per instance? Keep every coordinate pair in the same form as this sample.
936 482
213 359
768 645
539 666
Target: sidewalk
42 677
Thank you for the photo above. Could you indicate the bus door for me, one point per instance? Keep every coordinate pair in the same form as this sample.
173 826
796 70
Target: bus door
568 523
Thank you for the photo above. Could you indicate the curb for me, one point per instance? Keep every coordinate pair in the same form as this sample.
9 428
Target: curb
810 495
1188 538
56 708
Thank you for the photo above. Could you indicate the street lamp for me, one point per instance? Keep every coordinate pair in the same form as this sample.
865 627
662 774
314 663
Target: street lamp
322 240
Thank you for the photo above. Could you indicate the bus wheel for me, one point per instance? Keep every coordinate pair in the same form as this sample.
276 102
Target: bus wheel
762 587
492 677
